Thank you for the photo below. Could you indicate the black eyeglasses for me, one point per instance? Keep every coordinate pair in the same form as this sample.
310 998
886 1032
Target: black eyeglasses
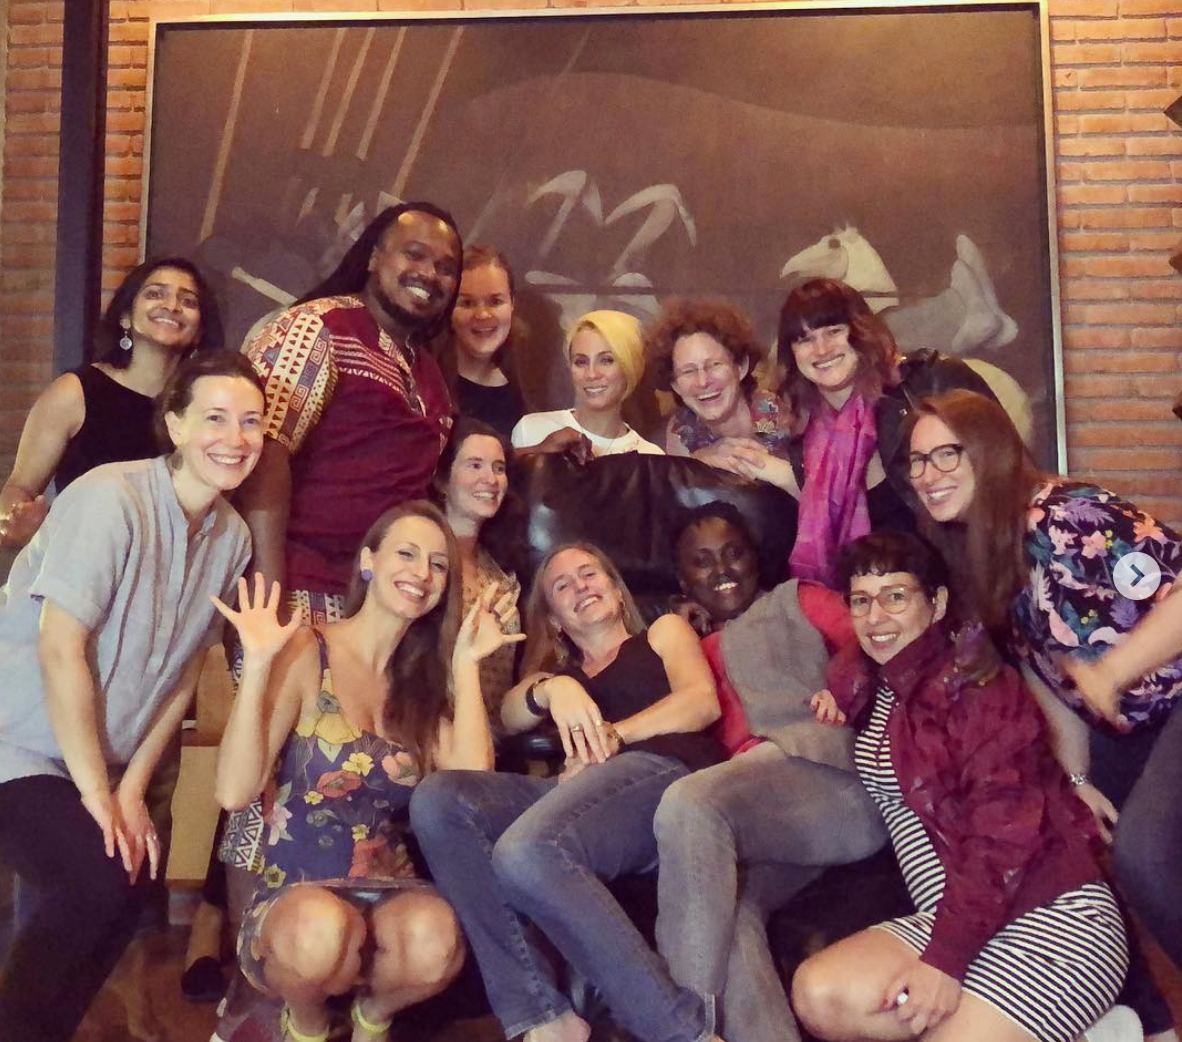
945 458
892 599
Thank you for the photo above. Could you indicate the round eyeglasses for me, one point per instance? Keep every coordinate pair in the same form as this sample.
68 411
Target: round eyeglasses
892 599
688 374
945 458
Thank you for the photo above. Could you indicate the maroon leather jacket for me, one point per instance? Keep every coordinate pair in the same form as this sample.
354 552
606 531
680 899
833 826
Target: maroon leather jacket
974 764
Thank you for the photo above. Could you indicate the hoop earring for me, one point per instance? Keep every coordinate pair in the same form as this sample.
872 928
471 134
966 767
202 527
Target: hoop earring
366 574
125 340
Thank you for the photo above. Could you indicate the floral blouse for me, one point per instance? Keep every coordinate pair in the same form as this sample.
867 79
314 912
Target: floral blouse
771 418
340 811
1076 535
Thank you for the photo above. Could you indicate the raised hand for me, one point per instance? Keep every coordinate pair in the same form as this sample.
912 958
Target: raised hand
824 707
257 619
483 629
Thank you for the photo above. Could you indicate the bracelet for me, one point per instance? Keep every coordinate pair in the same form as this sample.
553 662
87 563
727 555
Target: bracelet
1078 778
531 703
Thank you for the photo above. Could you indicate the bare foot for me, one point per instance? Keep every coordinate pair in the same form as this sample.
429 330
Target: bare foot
570 1027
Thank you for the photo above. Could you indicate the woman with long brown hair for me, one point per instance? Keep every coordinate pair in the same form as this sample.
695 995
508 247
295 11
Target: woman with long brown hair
1042 561
356 712
629 705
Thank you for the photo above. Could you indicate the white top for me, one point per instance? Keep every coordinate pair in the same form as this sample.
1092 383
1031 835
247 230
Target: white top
533 428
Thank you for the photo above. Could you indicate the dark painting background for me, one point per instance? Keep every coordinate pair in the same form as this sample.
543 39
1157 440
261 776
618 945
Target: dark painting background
617 160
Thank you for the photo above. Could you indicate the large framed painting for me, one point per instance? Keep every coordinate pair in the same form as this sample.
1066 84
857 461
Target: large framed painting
621 157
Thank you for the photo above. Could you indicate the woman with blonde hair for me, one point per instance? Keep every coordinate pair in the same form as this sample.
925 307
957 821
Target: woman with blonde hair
605 352
630 706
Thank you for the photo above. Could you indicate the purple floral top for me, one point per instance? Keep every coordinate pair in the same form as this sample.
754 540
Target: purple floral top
340 811
771 418
1076 535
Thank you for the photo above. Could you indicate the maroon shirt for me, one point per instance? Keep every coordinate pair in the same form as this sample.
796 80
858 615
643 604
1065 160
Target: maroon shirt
974 765
364 420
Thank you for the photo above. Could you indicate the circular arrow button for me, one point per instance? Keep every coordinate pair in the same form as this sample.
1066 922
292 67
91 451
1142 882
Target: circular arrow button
1136 576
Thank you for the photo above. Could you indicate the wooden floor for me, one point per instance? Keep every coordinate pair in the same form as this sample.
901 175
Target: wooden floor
181 1021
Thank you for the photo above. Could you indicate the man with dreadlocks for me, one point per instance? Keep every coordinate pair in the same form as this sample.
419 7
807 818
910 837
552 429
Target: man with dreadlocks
357 414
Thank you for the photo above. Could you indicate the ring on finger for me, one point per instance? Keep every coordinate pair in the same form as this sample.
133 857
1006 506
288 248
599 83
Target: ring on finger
598 723
576 728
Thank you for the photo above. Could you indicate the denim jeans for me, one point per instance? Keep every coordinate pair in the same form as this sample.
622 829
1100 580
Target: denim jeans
737 841
506 848
1142 774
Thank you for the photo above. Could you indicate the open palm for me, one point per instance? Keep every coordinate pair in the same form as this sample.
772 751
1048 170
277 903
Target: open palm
257 619
483 631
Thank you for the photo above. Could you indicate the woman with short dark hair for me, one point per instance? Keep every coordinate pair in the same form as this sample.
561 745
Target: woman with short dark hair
1015 935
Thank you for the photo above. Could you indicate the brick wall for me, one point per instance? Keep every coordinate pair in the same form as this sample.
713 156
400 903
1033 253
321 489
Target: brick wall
1116 65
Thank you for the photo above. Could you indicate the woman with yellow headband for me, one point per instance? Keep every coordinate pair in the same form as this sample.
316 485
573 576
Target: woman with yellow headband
605 351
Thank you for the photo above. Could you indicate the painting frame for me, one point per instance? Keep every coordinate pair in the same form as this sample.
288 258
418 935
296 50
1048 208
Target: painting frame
162 24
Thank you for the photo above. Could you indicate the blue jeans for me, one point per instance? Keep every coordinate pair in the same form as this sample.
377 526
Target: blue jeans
737 841
504 848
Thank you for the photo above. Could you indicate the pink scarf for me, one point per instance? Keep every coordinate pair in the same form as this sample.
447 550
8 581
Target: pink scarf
833 510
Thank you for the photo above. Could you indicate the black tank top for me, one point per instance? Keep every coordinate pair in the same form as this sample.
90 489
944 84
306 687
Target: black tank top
634 681
117 427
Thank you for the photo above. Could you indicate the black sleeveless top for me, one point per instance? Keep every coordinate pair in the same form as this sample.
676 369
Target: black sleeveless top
117 427
634 681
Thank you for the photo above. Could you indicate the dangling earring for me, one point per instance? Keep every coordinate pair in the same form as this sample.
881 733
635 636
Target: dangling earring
366 574
125 340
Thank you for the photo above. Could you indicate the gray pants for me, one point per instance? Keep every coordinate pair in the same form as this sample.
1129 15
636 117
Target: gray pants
736 841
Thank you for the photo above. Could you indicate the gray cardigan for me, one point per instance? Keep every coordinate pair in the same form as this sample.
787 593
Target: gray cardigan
776 660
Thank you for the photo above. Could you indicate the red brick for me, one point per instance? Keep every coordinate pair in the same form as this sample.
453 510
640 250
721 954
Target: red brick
1125 217
36 34
1136 7
1127 170
40 188
1095 289
33 123
1091 146
124 166
28 57
1124 123
20 256
1069 219
1119 411
1155 289
1128 76
1089 100
1095 242
1084 195
127 78
1098 385
1155 194
30 210
126 55
128 32
1157 387
1166 242
1062 29
249 6
1125 29
1128 434
1150 99
1154 53
1084 338
1084 9
1160 145
1127 459
128 10
1162 338
1123 267
1129 314
28 166
1123 362
33 79
26 14
121 234
132 122
1084 53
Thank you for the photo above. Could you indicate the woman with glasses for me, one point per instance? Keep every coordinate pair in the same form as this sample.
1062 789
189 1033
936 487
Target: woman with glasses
706 352
1015 935
1079 583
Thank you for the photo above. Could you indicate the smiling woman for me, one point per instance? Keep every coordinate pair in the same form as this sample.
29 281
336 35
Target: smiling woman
101 642
605 353
102 412
630 706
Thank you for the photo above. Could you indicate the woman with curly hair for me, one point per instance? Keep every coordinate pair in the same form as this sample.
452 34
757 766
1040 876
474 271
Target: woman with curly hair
706 352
